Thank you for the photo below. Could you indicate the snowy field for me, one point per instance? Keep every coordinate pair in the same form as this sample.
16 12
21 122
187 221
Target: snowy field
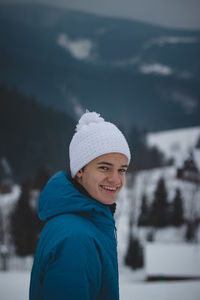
14 285
133 287
160 291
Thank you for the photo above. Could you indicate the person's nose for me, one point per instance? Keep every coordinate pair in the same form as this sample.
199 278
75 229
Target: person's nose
114 178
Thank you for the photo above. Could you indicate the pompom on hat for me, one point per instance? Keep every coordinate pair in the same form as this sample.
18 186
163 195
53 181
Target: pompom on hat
95 137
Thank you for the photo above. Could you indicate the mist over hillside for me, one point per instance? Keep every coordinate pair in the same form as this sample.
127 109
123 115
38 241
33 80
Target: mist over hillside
132 73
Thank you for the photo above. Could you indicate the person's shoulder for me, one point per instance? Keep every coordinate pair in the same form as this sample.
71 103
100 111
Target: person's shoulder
72 225
70 230
75 231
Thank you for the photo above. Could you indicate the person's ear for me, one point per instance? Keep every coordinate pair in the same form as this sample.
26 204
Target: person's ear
79 174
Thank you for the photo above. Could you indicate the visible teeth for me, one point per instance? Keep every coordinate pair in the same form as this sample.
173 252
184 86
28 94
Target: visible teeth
109 188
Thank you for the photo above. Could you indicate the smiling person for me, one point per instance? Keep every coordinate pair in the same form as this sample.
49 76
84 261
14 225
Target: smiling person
76 257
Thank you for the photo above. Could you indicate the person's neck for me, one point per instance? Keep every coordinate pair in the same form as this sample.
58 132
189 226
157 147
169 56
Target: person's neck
83 191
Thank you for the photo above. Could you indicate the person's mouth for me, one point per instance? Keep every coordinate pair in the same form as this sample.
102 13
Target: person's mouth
110 188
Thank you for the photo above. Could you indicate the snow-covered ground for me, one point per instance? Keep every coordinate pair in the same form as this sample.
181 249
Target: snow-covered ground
133 287
15 285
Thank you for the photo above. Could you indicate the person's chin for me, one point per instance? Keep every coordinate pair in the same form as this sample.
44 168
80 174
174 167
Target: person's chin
107 200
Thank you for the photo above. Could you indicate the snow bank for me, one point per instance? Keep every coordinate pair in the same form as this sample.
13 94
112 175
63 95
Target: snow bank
172 260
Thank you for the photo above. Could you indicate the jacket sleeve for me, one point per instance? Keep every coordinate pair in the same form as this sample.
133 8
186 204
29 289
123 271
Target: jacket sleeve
73 271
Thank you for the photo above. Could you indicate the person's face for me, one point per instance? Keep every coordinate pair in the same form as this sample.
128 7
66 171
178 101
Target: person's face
104 177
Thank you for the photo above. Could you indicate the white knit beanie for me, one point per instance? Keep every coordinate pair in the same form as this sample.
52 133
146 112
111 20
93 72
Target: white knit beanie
94 137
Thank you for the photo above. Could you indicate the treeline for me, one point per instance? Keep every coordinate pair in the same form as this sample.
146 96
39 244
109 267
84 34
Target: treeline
160 213
25 225
31 135
143 156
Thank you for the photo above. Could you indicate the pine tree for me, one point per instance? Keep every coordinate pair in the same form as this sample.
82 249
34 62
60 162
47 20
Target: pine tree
198 143
190 231
144 219
177 216
134 257
159 206
1 228
24 222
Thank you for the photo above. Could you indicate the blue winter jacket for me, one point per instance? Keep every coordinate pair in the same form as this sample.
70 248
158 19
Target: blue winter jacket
76 257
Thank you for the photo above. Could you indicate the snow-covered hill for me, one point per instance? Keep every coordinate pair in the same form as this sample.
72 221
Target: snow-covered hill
176 144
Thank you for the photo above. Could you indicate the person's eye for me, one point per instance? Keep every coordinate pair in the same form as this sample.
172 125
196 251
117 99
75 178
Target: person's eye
123 170
104 168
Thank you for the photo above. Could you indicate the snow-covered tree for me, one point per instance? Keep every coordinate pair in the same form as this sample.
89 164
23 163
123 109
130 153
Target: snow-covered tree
24 223
177 214
134 257
198 143
1 228
191 230
144 218
159 216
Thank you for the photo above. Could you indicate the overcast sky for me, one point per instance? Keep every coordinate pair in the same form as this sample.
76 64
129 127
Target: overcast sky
171 13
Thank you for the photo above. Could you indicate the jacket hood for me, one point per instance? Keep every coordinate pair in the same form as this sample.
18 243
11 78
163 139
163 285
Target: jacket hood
59 196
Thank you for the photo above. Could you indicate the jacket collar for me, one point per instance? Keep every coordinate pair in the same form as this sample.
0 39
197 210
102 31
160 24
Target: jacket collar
60 196
83 191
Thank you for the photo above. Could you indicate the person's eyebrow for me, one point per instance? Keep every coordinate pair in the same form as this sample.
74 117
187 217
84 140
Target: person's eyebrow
109 164
104 163
124 166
